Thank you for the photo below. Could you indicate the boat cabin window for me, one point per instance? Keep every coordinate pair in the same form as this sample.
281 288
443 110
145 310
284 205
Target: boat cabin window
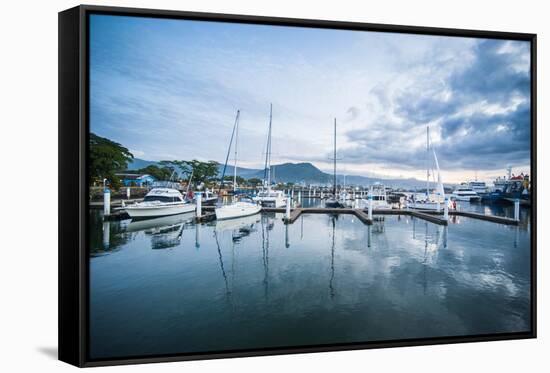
161 199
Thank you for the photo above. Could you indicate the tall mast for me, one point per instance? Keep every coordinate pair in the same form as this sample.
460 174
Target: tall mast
236 147
427 162
334 178
268 153
229 150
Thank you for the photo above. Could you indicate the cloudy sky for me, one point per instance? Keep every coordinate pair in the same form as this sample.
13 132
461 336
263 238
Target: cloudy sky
170 89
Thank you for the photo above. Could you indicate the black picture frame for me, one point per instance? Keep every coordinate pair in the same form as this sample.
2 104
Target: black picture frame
73 180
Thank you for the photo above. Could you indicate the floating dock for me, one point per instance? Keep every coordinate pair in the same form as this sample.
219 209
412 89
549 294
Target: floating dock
428 215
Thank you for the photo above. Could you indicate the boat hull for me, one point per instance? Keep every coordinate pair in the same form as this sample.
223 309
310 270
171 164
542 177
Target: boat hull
141 212
333 203
271 202
466 198
209 201
236 211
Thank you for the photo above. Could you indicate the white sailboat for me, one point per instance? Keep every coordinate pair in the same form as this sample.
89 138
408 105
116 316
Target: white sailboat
435 200
240 206
267 196
334 200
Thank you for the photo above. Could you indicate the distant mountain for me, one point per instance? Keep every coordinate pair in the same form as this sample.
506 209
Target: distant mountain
138 164
300 173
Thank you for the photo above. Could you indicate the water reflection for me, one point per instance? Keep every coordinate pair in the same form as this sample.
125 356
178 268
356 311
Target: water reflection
323 279
332 247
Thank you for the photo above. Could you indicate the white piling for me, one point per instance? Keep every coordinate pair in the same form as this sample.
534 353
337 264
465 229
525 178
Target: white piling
197 236
438 206
516 210
199 204
106 234
287 241
128 193
368 235
287 213
300 196
446 210
106 202
370 206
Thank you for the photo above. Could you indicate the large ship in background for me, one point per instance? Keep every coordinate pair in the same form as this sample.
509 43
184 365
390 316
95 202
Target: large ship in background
509 188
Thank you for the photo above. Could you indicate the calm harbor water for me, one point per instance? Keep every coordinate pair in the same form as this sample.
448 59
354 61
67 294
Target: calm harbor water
168 285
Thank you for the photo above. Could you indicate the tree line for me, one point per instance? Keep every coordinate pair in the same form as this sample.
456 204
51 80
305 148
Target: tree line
108 158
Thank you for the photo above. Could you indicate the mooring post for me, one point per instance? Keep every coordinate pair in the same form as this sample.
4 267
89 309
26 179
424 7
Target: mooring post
368 235
197 236
446 210
128 193
287 213
516 209
199 204
106 202
438 205
106 234
370 206
300 196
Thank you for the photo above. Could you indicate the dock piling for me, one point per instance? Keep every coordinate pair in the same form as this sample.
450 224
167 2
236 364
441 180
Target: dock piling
370 206
106 202
516 210
287 213
446 210
199 204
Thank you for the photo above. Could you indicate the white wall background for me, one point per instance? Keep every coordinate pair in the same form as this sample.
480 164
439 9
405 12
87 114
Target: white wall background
28 186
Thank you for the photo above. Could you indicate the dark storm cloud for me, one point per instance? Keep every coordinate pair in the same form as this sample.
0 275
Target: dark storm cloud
482 110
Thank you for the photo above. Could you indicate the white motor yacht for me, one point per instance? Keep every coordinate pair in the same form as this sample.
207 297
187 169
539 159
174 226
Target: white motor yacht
271 198
463 193
377 196
160 202
478 186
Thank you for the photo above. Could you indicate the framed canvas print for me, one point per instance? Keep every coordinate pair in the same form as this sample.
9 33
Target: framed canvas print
237 185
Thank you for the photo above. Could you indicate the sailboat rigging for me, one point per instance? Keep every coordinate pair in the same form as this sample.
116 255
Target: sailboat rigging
241 205
267 196
333 201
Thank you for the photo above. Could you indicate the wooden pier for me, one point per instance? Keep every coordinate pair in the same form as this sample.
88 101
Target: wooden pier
473 215
432 218
491 218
